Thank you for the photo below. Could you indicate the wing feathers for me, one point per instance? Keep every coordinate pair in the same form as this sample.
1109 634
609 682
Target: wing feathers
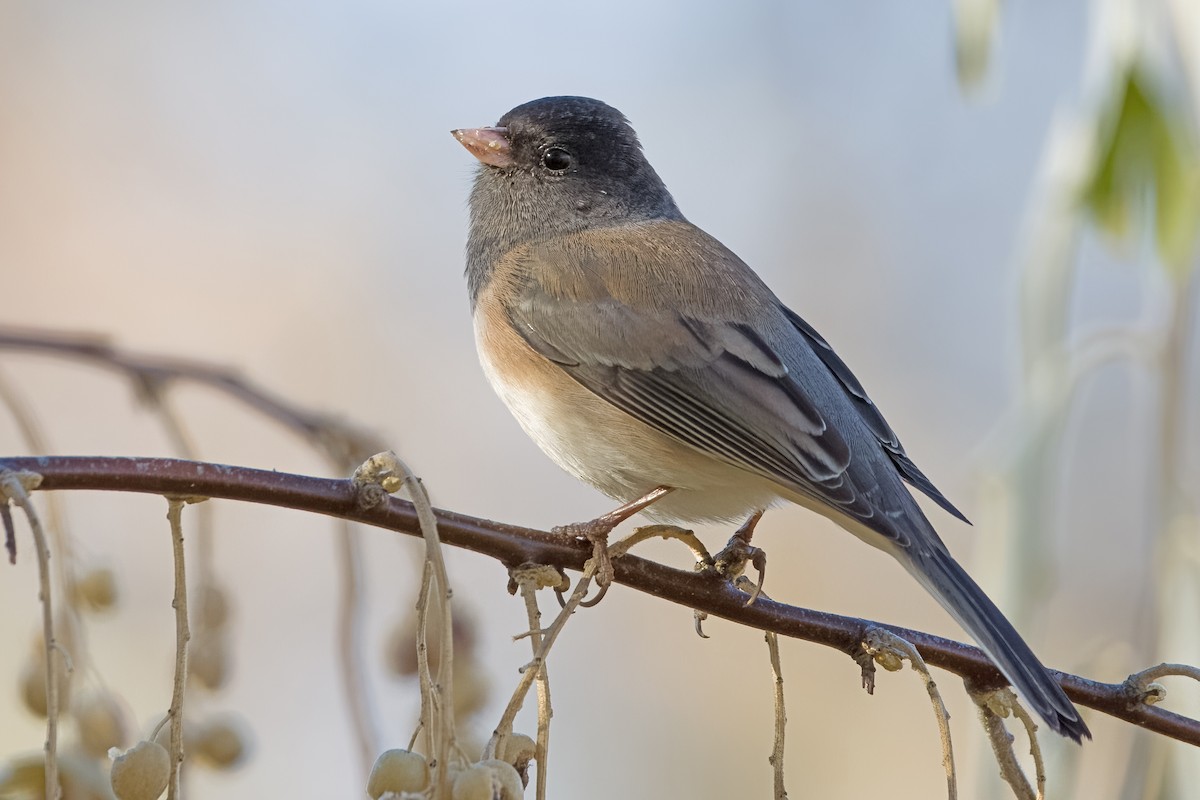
759 388
871 415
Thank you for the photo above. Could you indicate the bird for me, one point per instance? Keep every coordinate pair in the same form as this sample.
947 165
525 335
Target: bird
646 359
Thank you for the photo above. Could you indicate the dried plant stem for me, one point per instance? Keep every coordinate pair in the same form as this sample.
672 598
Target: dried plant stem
15 486
993 706
430 701
887 648
780 716
531 670
439 589
1035 748
689 538
350 644
382 473
342 443
182 636
528 584
27 424
1147 676
183 443
777 748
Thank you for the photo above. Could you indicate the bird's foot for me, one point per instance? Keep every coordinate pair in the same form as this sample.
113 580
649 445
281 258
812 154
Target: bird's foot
731 561
596 533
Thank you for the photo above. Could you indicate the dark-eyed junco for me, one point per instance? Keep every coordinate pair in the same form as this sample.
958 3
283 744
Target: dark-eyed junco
641 354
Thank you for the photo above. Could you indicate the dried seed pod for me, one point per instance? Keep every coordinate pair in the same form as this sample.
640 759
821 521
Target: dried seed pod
519 750
97 589
220 742
33 684
473 783
212 607
141 772
397 771
102 722
507 784
401 648
208 661
492 779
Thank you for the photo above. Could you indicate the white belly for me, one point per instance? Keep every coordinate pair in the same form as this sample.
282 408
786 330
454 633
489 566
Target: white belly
602 445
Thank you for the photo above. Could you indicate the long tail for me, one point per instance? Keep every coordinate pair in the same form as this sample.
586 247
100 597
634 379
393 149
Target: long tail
967 603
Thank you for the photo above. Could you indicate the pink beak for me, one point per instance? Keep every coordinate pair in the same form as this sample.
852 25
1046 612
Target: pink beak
489 145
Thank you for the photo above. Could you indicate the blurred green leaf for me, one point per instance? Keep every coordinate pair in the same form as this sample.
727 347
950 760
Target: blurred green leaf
1147 164
975 23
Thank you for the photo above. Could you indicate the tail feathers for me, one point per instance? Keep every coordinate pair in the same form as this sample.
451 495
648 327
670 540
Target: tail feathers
967 603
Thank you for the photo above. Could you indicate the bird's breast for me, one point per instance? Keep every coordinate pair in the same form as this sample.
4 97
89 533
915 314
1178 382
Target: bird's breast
600 444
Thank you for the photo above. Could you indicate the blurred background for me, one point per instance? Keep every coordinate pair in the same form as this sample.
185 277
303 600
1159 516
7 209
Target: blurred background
273 187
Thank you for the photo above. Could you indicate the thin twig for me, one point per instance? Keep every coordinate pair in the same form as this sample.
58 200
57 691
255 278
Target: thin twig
182 635
15 485
341 442
386 471
184 444
748 586
993 706
10 532
444 743
430 701
689 538
780 716
31 432
887 648
1144 685
531 670
1035 747
1148 676
514 545
530 578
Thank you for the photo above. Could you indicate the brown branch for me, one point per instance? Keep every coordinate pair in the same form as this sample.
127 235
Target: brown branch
347 445
513 546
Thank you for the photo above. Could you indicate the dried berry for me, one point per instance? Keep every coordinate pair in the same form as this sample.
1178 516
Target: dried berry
208 661
102 723
97 589
398 771
33 684
220 742
519 750
492 779
141 772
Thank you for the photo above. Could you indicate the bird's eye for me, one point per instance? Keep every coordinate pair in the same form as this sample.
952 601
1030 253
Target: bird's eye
556 159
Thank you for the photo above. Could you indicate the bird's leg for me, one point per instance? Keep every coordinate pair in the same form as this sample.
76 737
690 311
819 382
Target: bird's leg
597 530
732 560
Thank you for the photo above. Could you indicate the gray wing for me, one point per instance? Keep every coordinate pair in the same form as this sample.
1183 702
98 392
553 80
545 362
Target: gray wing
745 386
872 416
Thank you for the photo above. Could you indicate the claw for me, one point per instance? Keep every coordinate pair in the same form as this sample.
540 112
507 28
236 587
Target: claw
732 560
599 595
597 530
